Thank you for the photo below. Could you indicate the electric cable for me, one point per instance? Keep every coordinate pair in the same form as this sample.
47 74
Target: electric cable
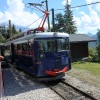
79 6
32 23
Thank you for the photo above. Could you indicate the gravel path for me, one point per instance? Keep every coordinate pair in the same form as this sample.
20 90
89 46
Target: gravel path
20 86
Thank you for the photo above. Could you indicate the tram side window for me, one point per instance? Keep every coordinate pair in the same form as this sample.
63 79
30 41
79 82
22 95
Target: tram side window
30 50
7 51
24 48
42 46
15 48
19 49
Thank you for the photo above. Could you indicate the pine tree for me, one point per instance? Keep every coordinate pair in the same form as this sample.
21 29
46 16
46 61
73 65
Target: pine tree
69 23
20 30
2 39
98 39
14 30
59 22
98 36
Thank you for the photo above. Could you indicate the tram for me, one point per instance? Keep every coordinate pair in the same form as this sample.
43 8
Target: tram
45 55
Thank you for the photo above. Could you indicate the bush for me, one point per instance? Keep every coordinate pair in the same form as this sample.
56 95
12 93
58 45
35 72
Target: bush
98 50
95 58
93 55
92 51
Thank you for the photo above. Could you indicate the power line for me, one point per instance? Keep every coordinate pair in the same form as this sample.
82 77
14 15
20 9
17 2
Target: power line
86 4
63 9
79 6
38 1
31 23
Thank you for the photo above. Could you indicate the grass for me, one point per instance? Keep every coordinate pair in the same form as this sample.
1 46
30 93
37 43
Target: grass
87 72
93 68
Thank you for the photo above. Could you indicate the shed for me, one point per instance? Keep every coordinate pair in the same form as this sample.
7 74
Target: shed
79 45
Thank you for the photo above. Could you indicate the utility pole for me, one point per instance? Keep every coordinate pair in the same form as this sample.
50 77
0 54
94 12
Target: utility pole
67 2
10 29
48 16
67 5
53 21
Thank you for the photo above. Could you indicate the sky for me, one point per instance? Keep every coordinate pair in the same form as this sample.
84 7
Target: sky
87 18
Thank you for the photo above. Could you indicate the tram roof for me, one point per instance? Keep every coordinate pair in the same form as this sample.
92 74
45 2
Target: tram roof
48 34
37 35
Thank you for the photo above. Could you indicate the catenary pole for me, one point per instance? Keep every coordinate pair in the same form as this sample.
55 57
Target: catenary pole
48 16
53 21
10 29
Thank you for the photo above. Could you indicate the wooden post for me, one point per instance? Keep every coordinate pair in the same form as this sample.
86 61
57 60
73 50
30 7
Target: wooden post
10 29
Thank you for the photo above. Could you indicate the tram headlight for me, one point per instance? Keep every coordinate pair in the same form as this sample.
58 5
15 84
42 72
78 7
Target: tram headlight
42 55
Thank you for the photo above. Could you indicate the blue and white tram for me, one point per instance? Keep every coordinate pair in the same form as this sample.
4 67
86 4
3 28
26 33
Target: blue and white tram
45 55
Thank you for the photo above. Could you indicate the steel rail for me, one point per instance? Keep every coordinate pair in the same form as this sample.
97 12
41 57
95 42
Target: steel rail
80 91
74 88
55 91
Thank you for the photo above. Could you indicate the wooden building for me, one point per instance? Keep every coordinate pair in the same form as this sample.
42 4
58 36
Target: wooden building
79 46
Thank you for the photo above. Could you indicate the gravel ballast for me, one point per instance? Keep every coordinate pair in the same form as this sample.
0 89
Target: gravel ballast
18 86
85 87
21 86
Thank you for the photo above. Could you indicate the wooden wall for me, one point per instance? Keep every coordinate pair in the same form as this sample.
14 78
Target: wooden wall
79 50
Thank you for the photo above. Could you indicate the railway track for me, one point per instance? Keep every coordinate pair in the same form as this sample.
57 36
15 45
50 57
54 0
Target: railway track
68 92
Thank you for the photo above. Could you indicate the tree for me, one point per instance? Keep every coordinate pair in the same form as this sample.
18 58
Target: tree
20 30
2 39
65 23
98 47
98 50
59 22
14 32
3 29
69 23
98 36
5 32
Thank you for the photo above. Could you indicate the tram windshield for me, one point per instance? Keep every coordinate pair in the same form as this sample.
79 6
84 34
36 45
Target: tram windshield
53 45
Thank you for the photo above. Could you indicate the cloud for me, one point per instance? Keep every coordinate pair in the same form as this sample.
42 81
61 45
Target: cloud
78 21
94 6
17 14
65 1
89 22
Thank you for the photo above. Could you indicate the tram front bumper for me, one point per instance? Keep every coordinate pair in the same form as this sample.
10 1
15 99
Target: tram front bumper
51 78
56 71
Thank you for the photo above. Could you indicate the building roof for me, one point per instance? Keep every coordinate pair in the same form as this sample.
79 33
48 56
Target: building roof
80 38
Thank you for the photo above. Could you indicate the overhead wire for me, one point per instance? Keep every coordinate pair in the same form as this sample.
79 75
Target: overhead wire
79 6
63 9
38 1
32 23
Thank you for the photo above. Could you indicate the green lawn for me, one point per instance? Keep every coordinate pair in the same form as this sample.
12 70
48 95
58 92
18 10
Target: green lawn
93 68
